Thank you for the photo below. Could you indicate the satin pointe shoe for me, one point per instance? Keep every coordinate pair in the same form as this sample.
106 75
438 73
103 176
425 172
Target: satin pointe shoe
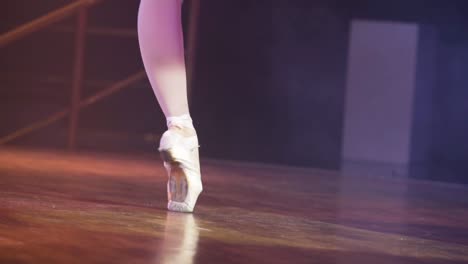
181 160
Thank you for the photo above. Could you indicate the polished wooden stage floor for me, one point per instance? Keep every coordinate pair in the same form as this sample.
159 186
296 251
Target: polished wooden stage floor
95 208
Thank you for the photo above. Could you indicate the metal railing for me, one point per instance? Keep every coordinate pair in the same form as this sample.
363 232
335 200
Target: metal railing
44 21
80 7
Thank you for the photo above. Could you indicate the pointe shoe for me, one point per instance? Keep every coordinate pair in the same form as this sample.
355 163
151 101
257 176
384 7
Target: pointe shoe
181 161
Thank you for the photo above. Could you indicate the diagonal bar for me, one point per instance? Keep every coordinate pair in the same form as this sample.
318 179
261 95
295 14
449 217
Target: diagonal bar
120 85
35 126
44 21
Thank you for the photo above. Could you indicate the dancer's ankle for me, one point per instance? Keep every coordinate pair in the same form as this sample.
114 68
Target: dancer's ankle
185 131
182 124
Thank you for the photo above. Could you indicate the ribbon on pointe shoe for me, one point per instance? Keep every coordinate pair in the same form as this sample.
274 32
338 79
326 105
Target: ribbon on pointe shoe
180 121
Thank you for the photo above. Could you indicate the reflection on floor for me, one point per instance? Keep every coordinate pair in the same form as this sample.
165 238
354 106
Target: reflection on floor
95 208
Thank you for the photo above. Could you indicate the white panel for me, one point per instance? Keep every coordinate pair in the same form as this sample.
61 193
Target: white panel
380 87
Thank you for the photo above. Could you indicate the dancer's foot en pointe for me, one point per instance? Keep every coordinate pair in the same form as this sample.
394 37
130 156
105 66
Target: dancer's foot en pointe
179 150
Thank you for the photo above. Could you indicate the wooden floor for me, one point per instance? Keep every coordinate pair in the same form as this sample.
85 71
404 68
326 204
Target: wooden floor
95 208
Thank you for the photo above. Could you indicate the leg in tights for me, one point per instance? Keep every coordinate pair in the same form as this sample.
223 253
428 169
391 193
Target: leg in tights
161 45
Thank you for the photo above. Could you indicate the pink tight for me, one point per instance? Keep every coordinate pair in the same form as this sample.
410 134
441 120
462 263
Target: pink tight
161 45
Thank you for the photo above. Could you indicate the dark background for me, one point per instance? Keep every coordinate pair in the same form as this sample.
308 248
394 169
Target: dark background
269 79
